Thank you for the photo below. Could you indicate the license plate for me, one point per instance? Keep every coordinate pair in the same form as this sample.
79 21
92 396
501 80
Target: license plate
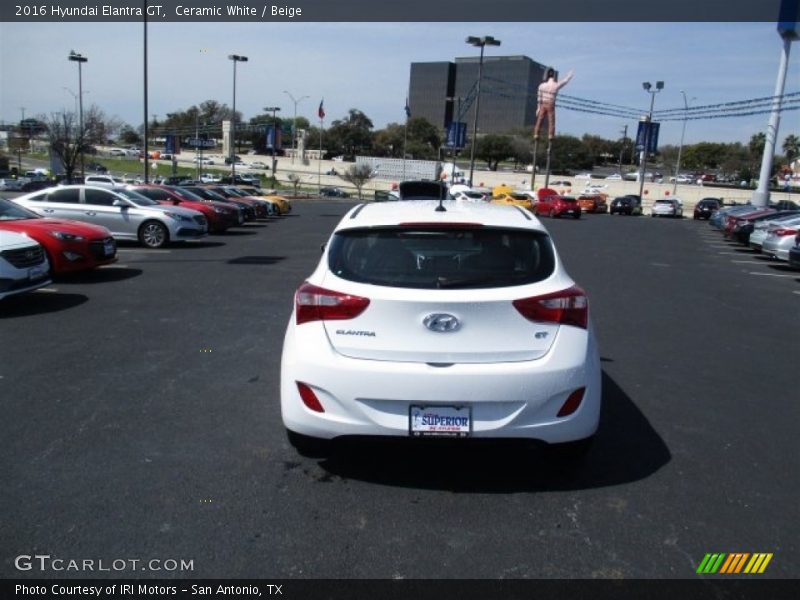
448 421
37 272
108 248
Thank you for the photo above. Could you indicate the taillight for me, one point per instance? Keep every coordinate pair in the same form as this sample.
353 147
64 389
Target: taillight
783 231
567 307
313 303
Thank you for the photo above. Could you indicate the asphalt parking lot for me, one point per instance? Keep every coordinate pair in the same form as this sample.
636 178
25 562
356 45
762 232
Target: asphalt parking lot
142 421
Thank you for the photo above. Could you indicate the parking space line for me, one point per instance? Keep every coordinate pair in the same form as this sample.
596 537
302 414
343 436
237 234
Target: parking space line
773 275
751 262
142 251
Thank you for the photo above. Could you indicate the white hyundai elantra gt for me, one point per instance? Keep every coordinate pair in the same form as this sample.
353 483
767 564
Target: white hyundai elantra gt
419 322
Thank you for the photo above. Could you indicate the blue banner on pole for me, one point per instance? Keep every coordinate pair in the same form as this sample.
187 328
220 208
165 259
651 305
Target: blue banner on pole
647 136
274 138
456 135
172 144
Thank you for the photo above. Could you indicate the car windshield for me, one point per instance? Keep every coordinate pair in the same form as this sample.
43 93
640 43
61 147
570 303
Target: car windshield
14 212
136 197
441 258
207 194
185 194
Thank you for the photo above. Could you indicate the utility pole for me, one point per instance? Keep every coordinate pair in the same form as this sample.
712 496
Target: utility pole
622 147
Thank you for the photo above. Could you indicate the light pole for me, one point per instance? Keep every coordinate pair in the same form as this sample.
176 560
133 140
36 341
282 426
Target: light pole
456 100
274 110
481 42
236 58
80 59
643 161
294 121
680 148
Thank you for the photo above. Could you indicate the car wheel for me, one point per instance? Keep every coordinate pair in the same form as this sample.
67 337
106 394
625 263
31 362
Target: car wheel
153 234
308 446
576 216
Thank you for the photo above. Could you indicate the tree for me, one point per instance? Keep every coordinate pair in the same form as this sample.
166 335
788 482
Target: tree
791 147
756 145
358 175
350 136
294 179
493 148
66 140
129 136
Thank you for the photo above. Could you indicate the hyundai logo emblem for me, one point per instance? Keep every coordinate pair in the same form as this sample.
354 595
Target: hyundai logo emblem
441 322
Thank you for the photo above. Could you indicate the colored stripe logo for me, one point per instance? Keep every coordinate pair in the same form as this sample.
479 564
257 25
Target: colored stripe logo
734 563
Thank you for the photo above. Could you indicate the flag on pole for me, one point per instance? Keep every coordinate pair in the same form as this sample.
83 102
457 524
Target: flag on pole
408 109
321 111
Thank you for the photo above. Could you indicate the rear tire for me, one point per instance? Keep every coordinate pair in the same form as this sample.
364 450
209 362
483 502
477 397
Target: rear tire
308 446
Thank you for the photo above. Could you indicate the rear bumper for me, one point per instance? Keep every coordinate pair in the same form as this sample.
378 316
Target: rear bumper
507 400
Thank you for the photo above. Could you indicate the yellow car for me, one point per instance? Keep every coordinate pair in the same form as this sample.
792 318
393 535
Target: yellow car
284 205
514 199
280 202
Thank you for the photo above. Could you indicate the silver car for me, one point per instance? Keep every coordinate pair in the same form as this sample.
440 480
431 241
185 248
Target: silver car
760 230
127 214
23 264
780 239
667 207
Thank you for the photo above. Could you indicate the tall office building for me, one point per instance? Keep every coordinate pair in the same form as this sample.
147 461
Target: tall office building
508 92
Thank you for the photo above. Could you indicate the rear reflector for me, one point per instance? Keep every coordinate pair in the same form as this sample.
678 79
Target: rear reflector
313 303
309 397
567 307
572 403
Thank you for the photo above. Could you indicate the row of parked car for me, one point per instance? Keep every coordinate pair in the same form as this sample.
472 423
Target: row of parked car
71 228
773 231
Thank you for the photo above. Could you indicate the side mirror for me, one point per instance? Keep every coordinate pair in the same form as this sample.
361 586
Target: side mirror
121 203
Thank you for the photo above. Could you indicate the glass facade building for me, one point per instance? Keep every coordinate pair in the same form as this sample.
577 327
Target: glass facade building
508 92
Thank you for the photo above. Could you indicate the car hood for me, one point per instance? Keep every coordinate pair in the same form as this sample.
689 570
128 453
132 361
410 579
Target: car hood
10 240
66 225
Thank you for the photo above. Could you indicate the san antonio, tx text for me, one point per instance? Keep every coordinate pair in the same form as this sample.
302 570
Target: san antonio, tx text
130 589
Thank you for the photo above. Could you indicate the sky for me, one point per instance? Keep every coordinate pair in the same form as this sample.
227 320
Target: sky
367 66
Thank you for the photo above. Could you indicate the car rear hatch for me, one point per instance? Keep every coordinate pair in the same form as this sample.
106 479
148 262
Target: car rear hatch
446 295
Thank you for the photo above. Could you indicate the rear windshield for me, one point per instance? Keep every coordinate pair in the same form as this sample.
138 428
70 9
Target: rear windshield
441 258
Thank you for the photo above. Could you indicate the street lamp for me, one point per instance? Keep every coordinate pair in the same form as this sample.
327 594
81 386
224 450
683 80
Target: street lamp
480 42
80 59
274 110
294 122
236 58
680 148
649 118
456 100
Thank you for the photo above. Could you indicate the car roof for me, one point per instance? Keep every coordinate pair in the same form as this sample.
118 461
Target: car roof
384 214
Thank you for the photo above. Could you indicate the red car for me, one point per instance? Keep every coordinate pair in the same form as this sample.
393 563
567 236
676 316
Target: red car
71 246
735 222
219 215
557 206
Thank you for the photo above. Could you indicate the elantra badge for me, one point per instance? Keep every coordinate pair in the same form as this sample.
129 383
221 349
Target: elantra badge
441 322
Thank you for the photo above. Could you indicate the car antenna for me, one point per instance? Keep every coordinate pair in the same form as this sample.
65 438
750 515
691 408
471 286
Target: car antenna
441 208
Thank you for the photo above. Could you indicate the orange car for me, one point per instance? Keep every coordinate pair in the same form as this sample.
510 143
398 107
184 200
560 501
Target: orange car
593 203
